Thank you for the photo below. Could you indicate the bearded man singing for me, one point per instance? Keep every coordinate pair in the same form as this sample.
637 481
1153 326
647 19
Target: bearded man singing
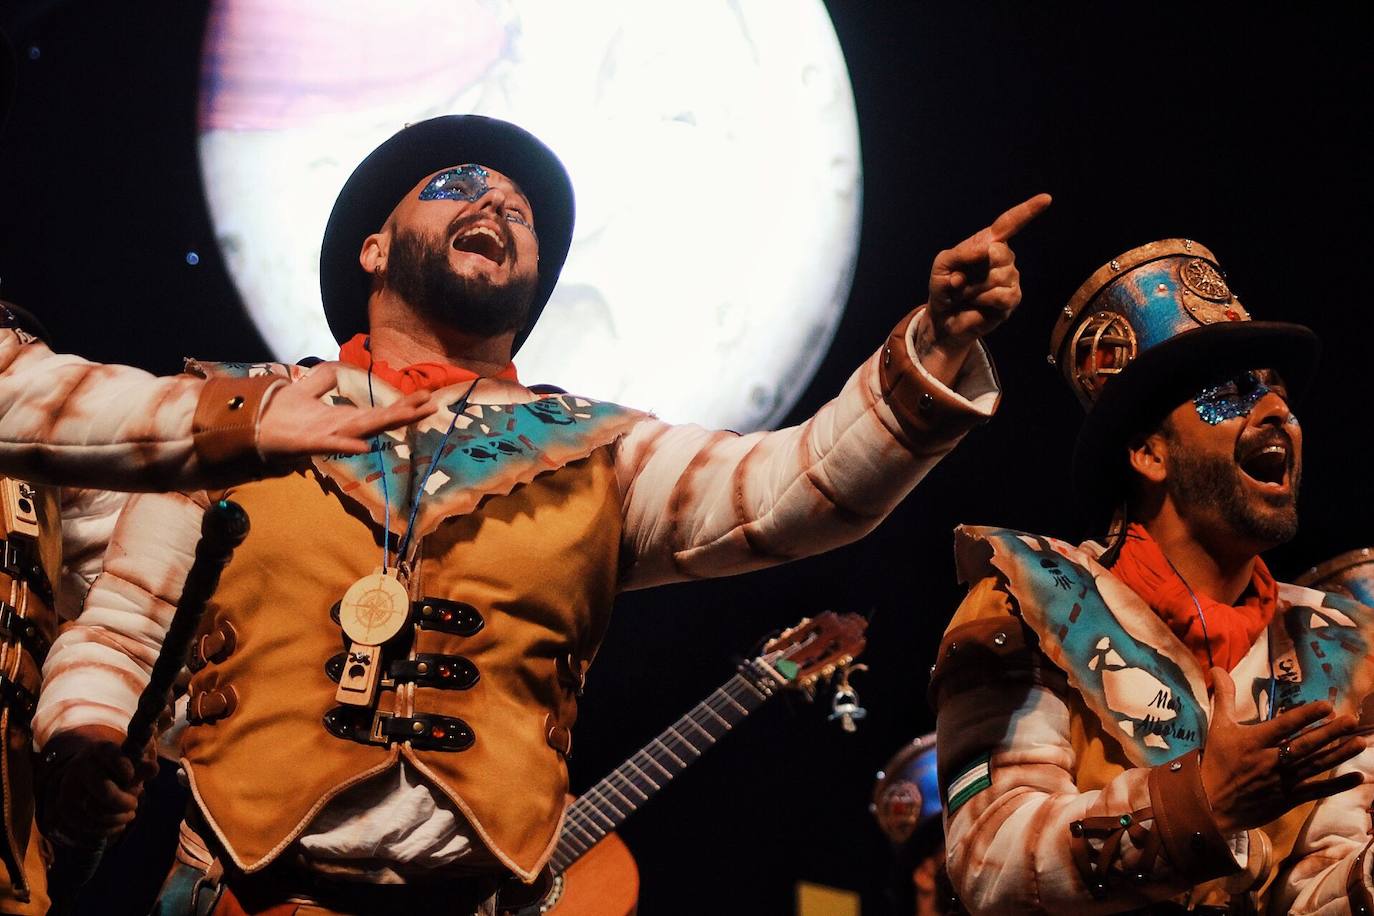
387 678
1157 725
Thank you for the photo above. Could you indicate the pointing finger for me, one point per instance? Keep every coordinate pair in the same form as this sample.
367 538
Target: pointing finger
1016 219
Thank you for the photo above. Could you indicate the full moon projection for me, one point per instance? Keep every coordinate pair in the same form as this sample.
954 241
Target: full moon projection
713 146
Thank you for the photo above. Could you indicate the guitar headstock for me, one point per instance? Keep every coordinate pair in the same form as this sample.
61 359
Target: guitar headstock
814 649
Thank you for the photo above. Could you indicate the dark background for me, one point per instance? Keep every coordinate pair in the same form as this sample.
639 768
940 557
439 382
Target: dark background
1248 132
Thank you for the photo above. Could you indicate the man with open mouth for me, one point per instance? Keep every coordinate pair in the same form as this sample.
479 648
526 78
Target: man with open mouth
386 681
1153 723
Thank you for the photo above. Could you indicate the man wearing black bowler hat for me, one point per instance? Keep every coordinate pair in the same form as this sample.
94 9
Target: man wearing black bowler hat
387 680
1153 724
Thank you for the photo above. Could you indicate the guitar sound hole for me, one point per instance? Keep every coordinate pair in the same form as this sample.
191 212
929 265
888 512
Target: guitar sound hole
554 895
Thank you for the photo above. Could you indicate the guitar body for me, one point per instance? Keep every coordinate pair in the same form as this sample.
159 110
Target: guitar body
604 882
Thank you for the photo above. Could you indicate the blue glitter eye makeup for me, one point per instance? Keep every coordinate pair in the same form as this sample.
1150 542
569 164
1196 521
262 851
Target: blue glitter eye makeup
1235 398
467 182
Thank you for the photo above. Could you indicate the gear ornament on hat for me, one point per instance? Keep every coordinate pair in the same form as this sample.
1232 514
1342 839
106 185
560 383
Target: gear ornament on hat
1205 282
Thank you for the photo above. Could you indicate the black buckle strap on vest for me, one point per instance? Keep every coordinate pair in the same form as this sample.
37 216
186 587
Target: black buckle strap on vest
24 631
19 561
424 731
445 672
447 616
21 701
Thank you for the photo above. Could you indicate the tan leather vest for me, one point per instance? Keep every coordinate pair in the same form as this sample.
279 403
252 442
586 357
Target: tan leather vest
30 560
515 596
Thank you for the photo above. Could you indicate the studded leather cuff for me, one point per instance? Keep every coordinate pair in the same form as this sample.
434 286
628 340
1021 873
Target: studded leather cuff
921 404
1194 845
225 428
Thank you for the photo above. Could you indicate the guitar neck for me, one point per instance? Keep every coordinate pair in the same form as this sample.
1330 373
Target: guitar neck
605 805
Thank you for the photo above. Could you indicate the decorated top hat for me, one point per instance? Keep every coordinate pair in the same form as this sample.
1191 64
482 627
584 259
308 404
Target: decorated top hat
392 169
1146 332
1350 573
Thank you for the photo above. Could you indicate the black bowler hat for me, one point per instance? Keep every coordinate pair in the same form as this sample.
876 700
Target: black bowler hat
1145 333
392 169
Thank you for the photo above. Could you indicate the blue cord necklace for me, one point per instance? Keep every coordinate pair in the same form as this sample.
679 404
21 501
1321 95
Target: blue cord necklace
377 607
1207 640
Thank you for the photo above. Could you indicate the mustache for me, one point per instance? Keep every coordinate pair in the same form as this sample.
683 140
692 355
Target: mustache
1250 443
460 223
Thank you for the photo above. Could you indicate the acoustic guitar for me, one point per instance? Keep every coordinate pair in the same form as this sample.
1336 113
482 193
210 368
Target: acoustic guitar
594 873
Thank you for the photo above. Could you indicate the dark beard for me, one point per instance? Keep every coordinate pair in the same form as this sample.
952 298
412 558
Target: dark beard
419 272
1197 480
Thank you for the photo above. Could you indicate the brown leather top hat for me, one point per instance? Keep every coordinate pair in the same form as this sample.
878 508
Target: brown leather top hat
392 169
1145 333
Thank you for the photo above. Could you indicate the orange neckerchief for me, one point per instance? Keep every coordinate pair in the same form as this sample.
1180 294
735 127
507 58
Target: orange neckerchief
412 378
1232 630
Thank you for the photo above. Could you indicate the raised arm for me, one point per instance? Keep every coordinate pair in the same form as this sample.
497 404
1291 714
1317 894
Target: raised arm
712 503
65 420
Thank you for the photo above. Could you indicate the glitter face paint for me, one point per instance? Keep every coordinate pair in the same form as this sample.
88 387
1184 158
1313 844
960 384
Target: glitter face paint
1231 399
467 182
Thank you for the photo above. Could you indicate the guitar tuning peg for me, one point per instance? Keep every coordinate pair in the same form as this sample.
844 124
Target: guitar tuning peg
844 706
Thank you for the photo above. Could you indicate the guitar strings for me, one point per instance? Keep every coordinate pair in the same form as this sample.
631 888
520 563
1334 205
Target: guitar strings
581 817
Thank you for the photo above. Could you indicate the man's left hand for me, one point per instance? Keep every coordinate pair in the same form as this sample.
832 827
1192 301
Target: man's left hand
974 287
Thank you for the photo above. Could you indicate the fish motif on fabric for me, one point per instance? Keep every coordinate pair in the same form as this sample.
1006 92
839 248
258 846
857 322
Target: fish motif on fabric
1133 673
493 447
1152 703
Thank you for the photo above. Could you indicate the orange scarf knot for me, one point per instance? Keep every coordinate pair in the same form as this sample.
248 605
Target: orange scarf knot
1230 630
433 376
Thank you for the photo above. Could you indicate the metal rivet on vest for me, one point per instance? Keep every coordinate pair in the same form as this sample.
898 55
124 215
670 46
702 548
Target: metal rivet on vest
235 402
183 779
427 610
1076 828
422 667
1068 312
1197 840
887 355
1175 766
953 647
927 401
999 639
1115 265
417 727
1049 358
